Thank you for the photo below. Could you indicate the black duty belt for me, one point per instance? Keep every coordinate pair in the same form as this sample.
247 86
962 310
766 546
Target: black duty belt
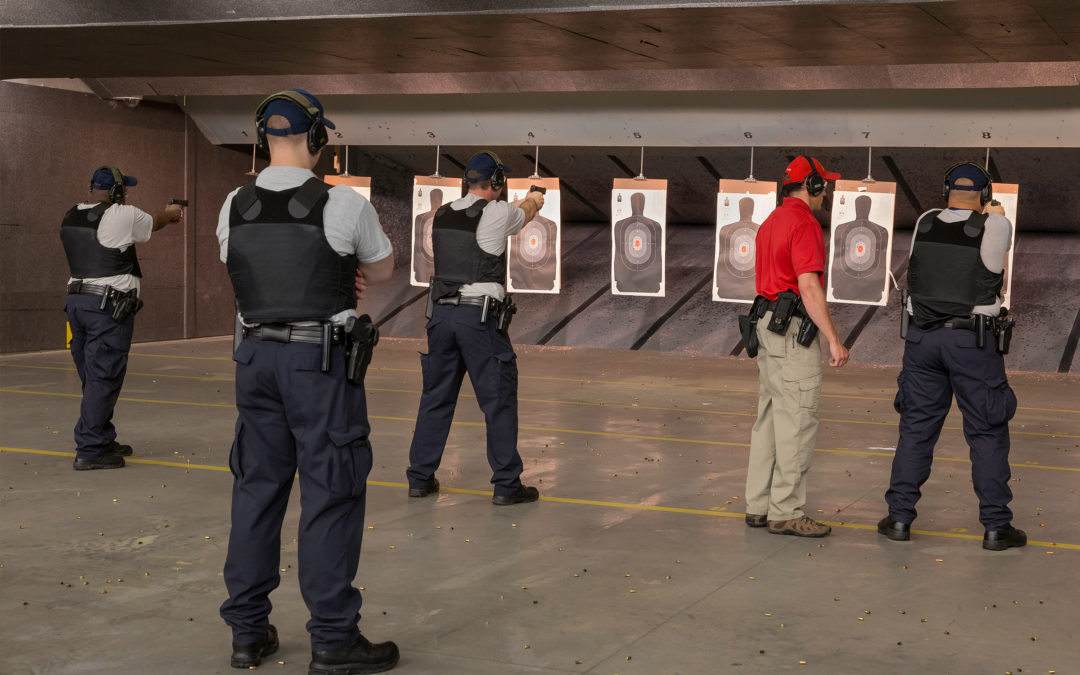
80 288
472 300
287 333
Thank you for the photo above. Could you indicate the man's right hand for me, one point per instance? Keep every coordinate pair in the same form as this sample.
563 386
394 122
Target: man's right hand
994 207
838 354
174 212
537 197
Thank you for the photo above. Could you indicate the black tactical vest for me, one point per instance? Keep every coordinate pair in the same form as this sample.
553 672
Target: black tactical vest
946 274
282 267
459 260
86 257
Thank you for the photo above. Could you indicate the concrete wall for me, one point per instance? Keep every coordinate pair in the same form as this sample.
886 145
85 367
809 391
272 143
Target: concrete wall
53 140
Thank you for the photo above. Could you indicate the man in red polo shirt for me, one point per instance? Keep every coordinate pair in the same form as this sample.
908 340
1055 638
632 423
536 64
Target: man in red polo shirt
790 259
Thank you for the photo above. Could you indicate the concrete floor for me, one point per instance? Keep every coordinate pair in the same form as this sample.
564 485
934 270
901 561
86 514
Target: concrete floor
636 561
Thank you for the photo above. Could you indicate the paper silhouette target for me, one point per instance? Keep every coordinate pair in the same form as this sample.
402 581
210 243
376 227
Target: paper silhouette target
429 193
360 184
741 207
861 242
533 255
1008 194
638 217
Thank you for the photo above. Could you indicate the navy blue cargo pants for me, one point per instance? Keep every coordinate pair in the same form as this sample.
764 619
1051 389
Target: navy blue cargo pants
99 347
459 343
937 365
293 416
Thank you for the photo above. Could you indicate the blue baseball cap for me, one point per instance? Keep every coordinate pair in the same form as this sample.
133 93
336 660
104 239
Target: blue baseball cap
484 164
290 106
976 175
103 179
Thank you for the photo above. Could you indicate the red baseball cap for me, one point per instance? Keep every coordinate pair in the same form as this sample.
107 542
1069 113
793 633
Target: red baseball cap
800 168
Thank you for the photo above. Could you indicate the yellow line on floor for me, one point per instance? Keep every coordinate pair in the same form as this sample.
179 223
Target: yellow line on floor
561 500
658 385
629 406
581 432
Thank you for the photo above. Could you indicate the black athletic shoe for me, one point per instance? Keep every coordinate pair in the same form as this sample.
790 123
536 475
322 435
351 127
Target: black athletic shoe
999 540
430 488
358 658
106 461
522 496
119 449
251 655
894 530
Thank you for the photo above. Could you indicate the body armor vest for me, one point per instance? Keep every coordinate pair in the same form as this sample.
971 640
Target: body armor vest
281 265
86 257
459 260
946 274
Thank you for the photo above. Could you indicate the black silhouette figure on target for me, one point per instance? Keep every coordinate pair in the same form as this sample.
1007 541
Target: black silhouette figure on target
423 260
533 263
639 267
736 255
859 267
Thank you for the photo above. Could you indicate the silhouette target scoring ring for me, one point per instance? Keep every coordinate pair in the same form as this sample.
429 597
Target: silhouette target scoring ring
639 251
741 252
860 258
533 250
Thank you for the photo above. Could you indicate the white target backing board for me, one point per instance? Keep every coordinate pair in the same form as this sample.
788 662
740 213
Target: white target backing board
860 242
741 207
533 262
1009 195
360 184
429 193
638 227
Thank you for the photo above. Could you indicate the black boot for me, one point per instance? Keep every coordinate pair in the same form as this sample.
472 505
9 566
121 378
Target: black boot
107 460
429 488
893 529
119 449
358 658
522 496
251 655
1005 538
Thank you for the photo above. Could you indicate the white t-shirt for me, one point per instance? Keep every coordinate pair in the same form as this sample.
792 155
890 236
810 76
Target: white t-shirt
498 221
996 241
121 226
350 223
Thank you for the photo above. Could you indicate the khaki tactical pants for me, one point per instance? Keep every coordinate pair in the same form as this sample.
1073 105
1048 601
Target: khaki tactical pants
782 442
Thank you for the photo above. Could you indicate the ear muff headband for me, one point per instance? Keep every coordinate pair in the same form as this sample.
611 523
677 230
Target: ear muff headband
316 135
116 192
814 181
498 177
984 195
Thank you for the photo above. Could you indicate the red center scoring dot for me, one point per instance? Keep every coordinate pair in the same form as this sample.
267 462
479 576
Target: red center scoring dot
637 243
743 248
532 241
859 248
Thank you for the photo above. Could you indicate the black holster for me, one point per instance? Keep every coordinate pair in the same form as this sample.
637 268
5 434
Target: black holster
430 308
504 314
1003 328
124 305
980 330
748 325
361 336
808 331
787 305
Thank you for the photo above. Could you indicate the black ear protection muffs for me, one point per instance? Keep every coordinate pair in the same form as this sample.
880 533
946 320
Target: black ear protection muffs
316 135
116 192
985 194
814 181
498 178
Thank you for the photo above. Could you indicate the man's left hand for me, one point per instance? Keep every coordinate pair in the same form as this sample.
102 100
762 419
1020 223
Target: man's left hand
361 285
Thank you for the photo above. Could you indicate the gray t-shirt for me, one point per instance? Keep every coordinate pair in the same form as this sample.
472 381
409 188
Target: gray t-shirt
997 239
350 223
121 226
498 221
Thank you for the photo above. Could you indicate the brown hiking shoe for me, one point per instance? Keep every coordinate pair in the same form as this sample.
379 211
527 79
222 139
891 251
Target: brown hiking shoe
800 527
754 520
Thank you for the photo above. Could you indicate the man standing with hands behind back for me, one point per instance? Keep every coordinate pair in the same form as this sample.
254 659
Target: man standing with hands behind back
789 275
297 251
